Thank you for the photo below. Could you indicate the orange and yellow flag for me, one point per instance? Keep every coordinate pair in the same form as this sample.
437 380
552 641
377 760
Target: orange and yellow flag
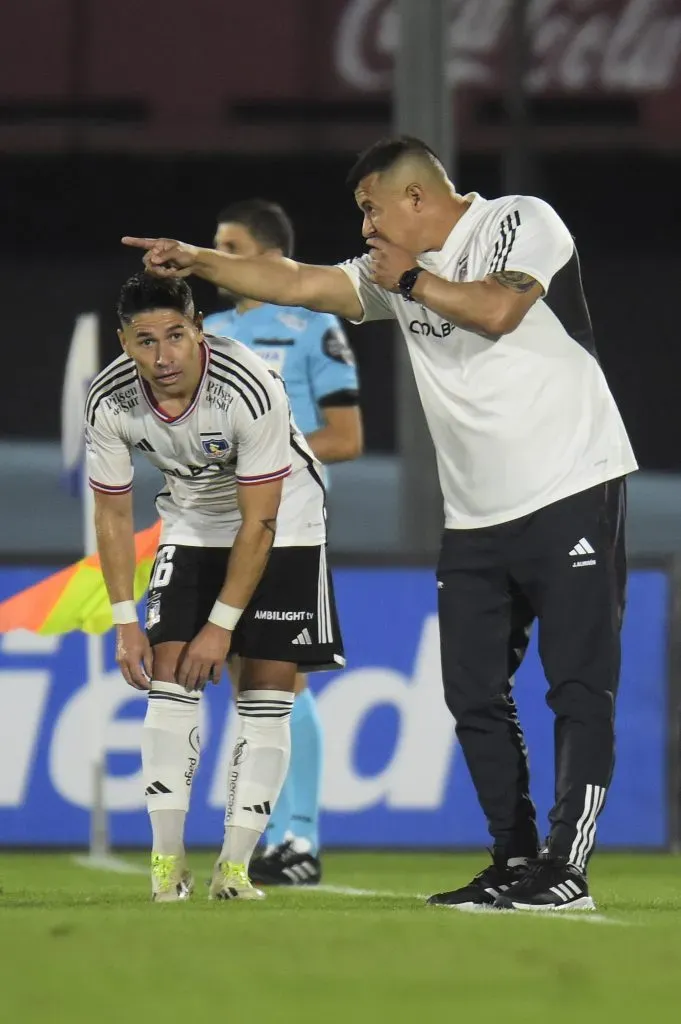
75 598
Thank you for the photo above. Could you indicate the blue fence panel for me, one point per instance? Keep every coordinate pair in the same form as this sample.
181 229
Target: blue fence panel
394 774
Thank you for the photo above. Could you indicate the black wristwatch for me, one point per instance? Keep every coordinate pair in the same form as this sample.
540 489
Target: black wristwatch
407 282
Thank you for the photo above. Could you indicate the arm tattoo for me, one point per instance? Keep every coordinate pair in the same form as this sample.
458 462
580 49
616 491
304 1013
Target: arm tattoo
515 280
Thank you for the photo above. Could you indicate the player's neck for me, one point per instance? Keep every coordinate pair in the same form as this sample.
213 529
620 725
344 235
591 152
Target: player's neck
244 305
446 220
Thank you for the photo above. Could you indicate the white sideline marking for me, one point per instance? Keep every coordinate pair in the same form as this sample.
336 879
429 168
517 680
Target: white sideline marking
342 890
126 868
345 890
115 864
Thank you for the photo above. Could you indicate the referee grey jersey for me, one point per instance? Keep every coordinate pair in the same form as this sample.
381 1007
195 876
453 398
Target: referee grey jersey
529 419
236 430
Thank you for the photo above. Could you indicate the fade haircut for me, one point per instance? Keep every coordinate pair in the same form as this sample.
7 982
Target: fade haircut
385 153
142 293
268 222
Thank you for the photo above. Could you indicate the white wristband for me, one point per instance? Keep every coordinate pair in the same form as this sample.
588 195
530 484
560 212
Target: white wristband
225 615
124 612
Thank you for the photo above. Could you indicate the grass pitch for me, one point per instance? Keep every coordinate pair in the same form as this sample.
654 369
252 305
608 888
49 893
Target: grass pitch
79 946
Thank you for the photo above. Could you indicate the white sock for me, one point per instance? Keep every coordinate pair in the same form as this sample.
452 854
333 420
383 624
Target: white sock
257 770
170 757
167 829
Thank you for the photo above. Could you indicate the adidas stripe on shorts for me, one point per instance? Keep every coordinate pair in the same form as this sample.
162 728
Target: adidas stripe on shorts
291 617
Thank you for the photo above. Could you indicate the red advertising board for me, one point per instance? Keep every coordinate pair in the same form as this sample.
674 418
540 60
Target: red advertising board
195 70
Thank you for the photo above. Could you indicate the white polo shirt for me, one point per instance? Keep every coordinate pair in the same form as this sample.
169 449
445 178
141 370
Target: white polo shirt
524 421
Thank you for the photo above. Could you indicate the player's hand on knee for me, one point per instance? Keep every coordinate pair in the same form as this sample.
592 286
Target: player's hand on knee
204 658
165 257
133 655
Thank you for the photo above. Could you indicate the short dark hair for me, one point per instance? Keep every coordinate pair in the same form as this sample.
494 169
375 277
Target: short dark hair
142 292
268 222
384 154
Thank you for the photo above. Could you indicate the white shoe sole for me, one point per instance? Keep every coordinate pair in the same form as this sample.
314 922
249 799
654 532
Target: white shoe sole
466 908
583 903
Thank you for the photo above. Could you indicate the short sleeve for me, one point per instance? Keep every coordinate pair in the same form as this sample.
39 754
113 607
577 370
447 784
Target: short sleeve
376 301
530 239
331 361
107 457
262 433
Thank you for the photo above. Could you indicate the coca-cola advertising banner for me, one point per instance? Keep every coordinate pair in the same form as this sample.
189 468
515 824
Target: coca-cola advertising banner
620 46
207 74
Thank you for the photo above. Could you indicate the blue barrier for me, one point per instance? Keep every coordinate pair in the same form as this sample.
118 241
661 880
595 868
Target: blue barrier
394 774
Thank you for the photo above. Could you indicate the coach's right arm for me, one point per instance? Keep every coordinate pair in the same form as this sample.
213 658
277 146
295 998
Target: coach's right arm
279 280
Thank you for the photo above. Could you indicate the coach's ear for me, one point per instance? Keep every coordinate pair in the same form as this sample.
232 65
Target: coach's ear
198 322
121 338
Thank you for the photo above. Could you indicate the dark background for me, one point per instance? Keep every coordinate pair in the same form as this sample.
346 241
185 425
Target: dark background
145 118
62 217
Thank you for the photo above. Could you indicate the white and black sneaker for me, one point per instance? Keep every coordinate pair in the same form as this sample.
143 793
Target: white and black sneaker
483 890
290 863
549 883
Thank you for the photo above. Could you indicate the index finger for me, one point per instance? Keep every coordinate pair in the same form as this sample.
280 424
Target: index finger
139 243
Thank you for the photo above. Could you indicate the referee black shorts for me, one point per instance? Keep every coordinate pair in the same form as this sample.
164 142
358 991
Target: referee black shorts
291 617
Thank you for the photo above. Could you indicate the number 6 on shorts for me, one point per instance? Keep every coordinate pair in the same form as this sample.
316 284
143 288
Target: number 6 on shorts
163 567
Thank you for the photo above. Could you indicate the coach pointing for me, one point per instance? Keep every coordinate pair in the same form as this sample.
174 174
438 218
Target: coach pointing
531 454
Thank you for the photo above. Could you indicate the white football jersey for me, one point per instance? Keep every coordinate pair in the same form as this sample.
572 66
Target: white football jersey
529 419
237 430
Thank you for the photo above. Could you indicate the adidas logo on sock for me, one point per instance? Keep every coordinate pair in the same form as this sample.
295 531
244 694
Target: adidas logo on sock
303 638
155 788
582 548
259 808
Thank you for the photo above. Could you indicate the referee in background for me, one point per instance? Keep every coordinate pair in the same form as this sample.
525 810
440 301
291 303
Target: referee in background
532 458
312 355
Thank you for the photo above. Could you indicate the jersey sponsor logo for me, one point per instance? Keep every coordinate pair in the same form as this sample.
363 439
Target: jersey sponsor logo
192 472
218 396
284 616
125 400
215 447
429 331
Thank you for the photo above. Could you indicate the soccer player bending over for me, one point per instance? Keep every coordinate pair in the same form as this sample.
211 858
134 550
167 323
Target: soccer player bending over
241 567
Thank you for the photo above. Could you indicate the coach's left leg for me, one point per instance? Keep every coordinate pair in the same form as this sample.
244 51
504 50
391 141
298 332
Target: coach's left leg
580 606
572 569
